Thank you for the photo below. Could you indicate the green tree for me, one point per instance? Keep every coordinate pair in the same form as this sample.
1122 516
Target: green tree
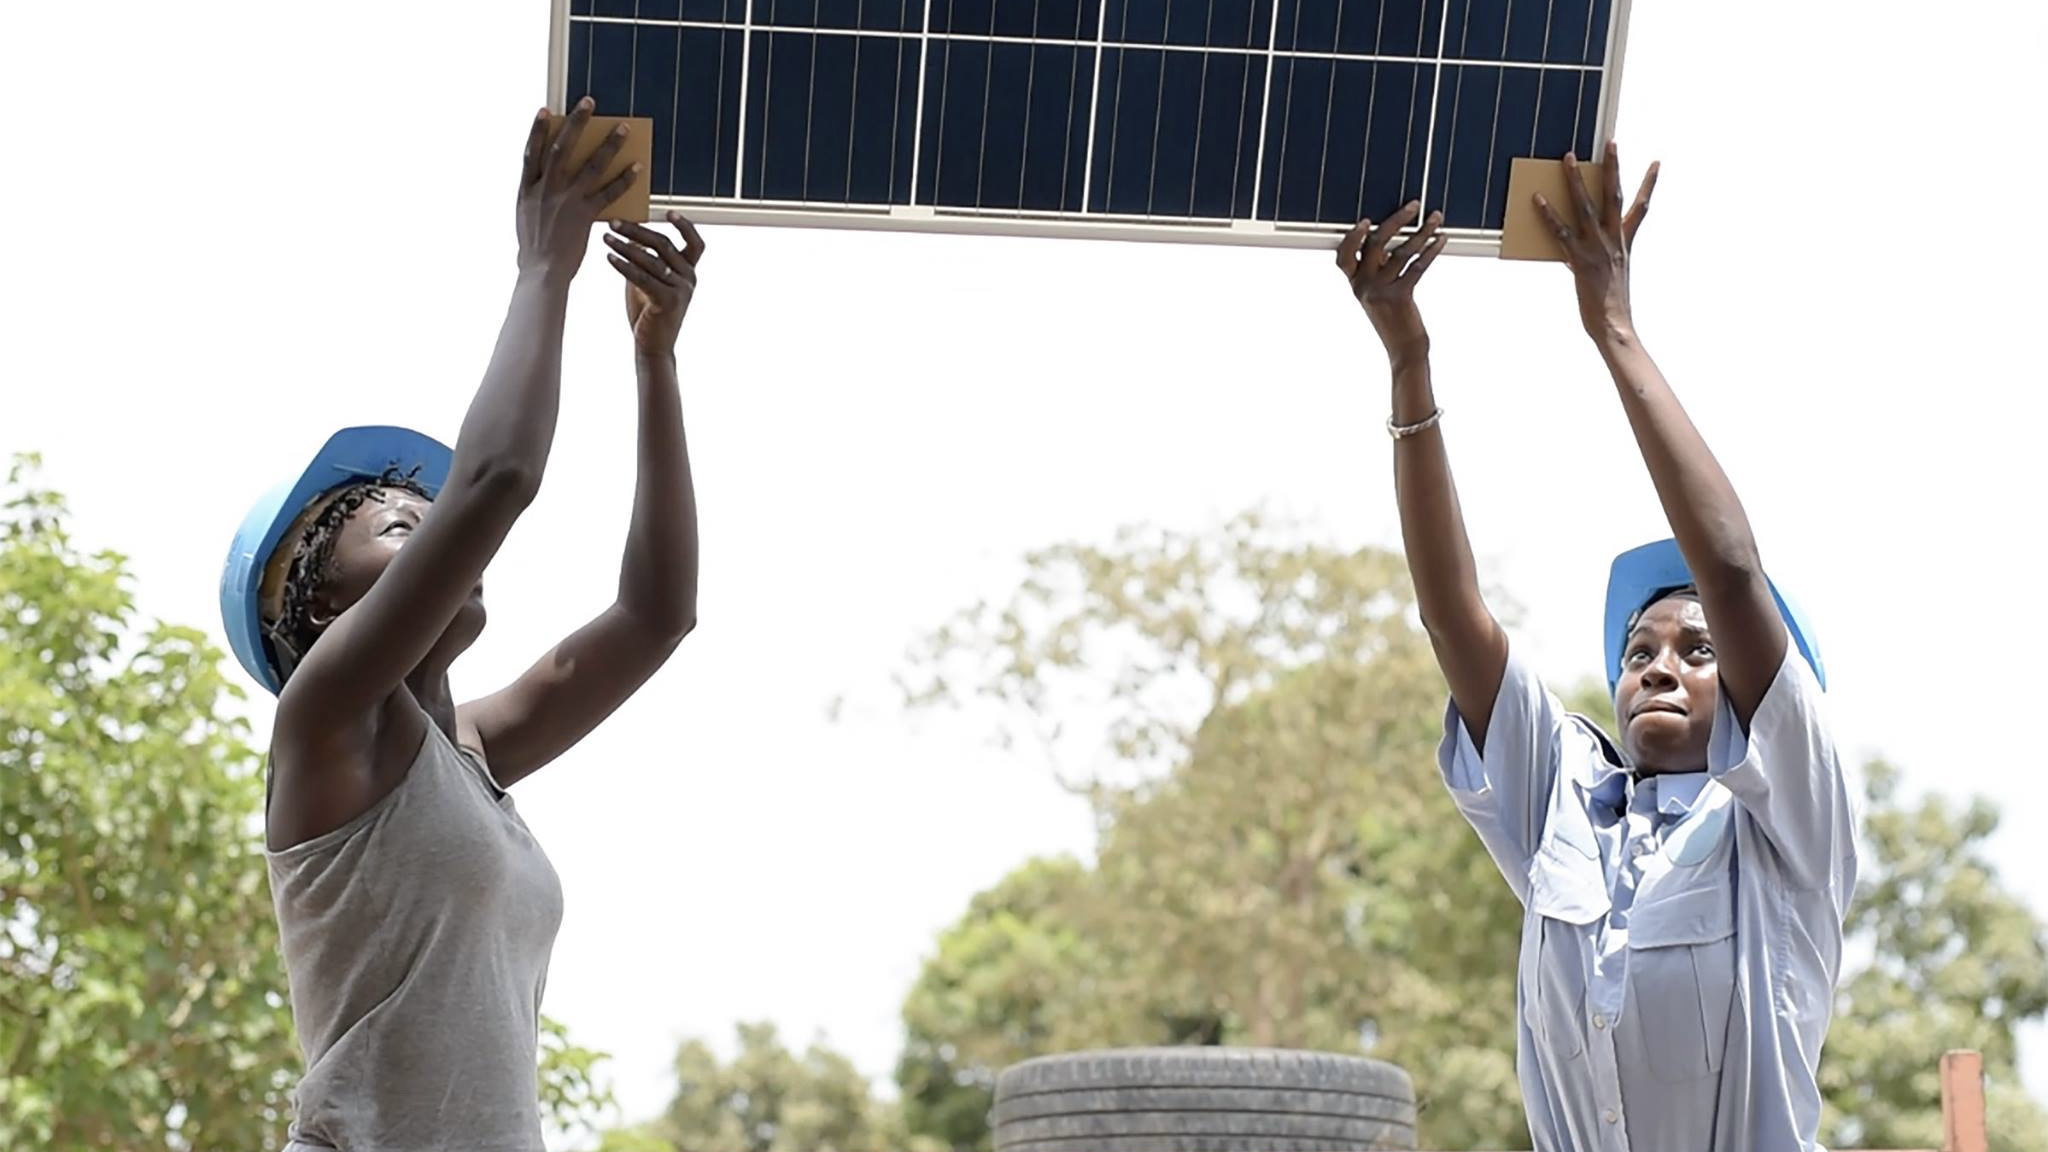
767 1099
1956 961
142 993
139 970
1018 975
573 1096
1278 861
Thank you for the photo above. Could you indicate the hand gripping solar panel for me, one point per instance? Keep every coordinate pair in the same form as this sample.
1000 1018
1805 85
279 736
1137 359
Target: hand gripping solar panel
1272 122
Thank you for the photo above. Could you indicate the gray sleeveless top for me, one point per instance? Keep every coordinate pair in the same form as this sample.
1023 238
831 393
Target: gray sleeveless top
416 939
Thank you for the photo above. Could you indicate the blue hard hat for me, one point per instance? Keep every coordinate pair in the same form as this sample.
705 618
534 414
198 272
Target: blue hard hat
1640 575
350 455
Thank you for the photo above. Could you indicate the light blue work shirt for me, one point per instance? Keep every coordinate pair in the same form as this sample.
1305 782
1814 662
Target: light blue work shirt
1681 934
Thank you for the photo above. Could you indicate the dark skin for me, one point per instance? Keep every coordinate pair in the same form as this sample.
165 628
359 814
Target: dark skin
1668 690
404 596
1713 532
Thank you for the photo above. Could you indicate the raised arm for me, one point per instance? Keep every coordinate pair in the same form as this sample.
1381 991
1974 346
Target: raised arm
1707 519
1470 645
499 456
573 688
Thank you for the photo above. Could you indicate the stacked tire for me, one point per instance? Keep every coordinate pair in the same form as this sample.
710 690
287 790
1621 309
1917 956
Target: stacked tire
1203 1100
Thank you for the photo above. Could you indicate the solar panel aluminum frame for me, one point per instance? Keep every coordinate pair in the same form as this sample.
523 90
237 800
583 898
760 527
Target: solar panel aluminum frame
1062 225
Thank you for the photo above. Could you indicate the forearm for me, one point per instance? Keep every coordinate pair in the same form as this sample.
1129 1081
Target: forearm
658 576
1705 515
1432 527
510 426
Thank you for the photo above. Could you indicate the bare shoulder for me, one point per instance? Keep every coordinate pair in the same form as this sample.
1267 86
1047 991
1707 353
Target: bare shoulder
325 775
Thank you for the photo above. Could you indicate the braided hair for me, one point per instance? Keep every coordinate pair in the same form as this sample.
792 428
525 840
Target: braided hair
292 634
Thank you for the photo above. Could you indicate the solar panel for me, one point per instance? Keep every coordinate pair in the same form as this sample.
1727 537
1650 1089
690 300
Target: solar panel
1273 122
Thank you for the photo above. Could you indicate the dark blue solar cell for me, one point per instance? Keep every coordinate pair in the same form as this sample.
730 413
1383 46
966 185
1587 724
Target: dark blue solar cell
830 118
864 15
1528 32
1408 28
1192 23
1487 116
712 11
1345 139
627 9
687 80
1177 133
1028 19
1005 125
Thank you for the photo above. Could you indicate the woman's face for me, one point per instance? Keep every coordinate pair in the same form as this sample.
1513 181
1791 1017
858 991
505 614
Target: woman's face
1669 688
366 544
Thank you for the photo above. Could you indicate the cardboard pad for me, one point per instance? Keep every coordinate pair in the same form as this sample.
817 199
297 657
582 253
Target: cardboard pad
1525 234
634 204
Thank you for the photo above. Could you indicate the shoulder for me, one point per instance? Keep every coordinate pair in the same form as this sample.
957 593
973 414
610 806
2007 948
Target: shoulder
323 776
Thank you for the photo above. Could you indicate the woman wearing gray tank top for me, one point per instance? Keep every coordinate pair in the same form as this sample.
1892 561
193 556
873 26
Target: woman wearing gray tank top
416 911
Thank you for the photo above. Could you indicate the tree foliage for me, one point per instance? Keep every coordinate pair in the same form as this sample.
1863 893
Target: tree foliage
142 993
1956 961
1279 864
767 1099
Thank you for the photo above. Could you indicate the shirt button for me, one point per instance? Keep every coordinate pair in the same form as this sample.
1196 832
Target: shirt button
1609 1116
1599 1021
1640 848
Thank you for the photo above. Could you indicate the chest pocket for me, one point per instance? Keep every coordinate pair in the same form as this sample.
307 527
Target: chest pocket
1681 972
1568 901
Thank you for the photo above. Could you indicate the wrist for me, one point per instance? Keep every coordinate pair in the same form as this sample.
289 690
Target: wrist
1409 357
1614 333
545 273
1405 346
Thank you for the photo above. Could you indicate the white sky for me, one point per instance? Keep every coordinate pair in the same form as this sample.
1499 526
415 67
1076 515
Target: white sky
232 227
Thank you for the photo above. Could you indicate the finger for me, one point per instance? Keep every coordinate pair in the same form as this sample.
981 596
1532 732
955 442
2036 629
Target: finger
1581 198
601 158
616 186
1416 244
565 140
1393 224
536 149
1641 207
656 288
1427 258
1347 248
642 234
693 241
642 258
1558 227
1610 212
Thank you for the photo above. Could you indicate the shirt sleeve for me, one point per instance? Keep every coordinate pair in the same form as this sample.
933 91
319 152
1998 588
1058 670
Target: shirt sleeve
1786 774
1507 793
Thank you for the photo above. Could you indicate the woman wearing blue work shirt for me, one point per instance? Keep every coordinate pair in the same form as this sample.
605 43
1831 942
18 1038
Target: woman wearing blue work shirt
1683 894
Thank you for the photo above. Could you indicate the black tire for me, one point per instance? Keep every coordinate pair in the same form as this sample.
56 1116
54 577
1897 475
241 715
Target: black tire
1203 1100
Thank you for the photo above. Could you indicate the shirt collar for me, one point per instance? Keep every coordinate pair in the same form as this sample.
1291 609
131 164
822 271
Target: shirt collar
1610 788
1674 793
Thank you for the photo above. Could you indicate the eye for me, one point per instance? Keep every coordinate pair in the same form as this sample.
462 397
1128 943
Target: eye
395 525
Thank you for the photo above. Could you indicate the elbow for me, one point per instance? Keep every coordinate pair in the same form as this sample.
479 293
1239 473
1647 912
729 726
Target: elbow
667 636
508 485
679 628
